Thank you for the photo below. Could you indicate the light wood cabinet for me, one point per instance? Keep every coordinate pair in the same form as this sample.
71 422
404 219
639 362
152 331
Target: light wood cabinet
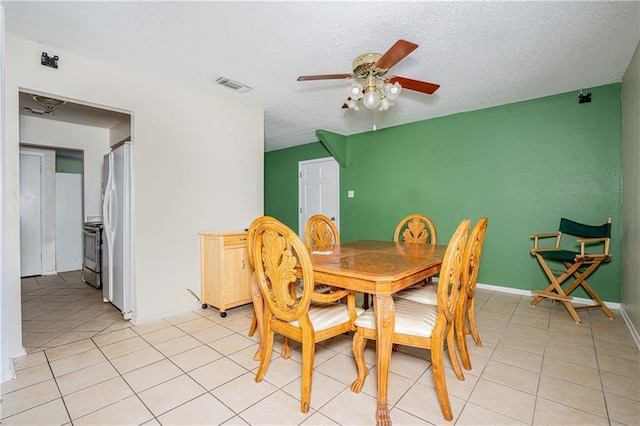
225 270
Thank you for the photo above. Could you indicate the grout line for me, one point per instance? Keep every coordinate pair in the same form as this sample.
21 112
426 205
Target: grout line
492 301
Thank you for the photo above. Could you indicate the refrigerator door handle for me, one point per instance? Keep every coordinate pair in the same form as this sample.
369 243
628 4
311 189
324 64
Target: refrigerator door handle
108 231
108 196
108 224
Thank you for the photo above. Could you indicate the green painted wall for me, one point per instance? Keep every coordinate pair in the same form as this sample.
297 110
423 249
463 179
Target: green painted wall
69 165
281 180
522 165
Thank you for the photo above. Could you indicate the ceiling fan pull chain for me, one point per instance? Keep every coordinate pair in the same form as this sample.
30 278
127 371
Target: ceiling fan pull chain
374 120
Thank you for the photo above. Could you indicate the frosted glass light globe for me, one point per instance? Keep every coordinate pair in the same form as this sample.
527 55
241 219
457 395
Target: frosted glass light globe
393 90
371 100
353 105
355 91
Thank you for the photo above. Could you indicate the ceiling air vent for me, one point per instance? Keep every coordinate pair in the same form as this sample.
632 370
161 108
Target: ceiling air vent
239 87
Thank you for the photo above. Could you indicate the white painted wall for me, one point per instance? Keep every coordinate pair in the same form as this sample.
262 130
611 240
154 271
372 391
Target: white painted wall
93 141
119 133
6 368
631 192
193 156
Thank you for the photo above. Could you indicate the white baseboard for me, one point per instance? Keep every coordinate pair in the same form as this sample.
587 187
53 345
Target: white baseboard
500 289
17 354
521 292
630 326
183 310
10 374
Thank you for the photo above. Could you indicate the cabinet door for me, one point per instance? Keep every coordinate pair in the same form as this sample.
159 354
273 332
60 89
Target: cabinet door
212 266
237 274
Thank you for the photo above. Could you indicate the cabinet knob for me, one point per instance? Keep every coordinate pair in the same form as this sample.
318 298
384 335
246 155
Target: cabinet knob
242 263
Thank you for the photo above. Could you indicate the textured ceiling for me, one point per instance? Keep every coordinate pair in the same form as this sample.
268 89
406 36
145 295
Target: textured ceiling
481 53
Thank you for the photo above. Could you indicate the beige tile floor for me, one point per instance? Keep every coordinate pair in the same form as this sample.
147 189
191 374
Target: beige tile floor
85 365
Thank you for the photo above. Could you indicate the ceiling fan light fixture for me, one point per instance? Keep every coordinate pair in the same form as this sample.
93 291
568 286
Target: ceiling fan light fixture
374 86
49 103
376 94
36 111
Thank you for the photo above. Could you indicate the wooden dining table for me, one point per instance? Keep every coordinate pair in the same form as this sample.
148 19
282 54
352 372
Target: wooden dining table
379 268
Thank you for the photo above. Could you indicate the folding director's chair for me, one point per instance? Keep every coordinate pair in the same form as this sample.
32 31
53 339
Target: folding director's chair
579 265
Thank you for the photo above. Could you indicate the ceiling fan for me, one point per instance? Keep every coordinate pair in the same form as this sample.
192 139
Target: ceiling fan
373 85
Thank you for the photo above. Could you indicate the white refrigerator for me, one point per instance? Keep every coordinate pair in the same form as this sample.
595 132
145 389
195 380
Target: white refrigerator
117 273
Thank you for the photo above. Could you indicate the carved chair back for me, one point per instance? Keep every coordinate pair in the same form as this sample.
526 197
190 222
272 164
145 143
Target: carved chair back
416 228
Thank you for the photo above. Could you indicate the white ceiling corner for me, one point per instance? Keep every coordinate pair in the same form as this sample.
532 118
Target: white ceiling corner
482 53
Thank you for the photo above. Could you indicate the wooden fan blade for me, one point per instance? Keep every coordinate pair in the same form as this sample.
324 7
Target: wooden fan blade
417 85
324 77
395 54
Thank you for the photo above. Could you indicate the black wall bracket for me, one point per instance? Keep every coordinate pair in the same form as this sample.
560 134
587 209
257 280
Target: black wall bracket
49 61
582 98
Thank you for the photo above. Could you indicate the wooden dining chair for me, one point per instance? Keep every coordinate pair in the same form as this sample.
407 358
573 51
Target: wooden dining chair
280 258
423 326
465 322
414 228
320 233
258 308
417 229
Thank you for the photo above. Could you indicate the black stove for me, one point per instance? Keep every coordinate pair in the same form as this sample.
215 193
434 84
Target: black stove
92 260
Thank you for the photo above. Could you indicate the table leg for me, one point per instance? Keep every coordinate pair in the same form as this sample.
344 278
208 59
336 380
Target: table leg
384 311
258 309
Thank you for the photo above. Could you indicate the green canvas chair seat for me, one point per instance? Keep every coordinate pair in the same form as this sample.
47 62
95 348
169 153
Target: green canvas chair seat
560 255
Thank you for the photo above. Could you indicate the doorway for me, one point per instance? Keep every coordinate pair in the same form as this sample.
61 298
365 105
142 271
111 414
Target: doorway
51 210
77 136
32 214
74 138
318 191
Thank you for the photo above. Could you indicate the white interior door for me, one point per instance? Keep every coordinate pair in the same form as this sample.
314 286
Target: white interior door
318 191
31 232
68 222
